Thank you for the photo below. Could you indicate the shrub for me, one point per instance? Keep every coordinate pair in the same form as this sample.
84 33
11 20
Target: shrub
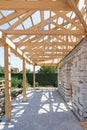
55 84
16 83
27 84
15 93
36 84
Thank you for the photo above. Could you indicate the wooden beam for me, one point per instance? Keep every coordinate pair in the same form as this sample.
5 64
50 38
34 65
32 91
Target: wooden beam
84 125
51 55
33 5
15 49
22 19
24 80
47 64
33 47
7 64
73 5
46 58
56 52
45 32
11 17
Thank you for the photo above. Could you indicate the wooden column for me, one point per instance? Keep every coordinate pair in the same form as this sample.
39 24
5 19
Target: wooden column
7 64
34 76
24 80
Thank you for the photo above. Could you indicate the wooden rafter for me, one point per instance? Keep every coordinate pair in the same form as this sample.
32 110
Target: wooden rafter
78 13
16 50
11 17
51 38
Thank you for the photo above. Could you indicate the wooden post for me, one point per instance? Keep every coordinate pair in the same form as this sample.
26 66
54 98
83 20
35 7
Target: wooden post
84 125
34 76
7 53
24 80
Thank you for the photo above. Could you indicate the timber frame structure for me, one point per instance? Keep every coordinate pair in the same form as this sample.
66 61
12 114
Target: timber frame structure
40 32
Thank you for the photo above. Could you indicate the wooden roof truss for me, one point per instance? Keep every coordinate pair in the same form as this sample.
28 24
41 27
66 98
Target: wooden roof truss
42 31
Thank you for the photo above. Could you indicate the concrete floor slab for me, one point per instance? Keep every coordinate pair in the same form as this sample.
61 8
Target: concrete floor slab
44 110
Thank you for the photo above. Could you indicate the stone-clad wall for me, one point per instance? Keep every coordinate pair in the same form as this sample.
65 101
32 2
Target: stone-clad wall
73 79
64 81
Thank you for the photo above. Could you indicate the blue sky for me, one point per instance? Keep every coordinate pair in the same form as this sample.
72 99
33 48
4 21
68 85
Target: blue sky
16 61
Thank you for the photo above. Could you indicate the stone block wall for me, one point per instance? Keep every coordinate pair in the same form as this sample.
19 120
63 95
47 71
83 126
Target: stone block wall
74 76
64 81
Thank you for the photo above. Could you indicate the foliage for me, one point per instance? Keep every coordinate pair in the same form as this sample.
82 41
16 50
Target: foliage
36 84
15 93
43 79
1 69
55 84
16 83
48 69
27 71
1 78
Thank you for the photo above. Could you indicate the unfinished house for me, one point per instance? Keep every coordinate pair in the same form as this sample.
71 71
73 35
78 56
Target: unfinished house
47 33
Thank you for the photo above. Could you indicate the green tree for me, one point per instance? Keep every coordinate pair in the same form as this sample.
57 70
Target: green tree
48 69
1 69
27 71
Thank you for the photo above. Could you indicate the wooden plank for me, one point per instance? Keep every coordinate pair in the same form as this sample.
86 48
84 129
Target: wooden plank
11 17
84 125
15 49
73 5
39 45
47 64
33 5
45 32
22 19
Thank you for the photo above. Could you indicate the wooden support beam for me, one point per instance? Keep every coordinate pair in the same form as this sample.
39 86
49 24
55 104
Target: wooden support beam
24 80
33 5
84 125
22 19
73 5
7 65
15 49
46 64
11 16
45 32
34 76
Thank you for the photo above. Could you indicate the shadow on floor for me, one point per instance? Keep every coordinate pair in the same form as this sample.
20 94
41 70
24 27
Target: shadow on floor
44 110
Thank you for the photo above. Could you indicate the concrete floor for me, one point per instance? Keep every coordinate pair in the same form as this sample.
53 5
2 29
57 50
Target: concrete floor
44 110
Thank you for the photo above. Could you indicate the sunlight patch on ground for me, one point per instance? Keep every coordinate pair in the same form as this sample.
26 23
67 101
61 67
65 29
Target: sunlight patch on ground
45 109
62 108
45 97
